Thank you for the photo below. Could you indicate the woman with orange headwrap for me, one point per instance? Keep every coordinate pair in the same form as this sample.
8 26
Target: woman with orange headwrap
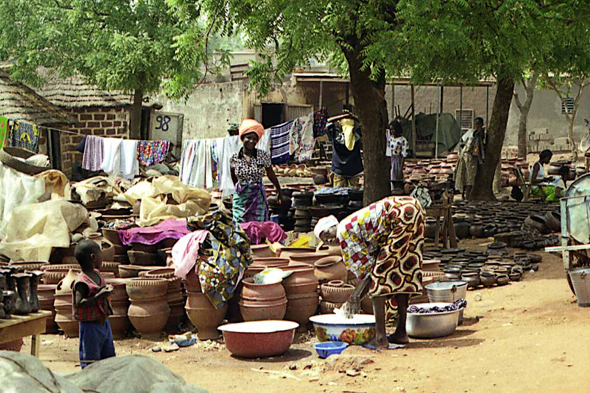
247 169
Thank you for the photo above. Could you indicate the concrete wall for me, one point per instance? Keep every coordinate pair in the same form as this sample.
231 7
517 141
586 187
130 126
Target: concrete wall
546 113
209 110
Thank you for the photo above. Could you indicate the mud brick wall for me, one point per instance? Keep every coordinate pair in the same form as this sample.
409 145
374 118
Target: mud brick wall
97 121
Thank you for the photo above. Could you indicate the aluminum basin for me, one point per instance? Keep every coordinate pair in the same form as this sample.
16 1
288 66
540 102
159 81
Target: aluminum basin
433 325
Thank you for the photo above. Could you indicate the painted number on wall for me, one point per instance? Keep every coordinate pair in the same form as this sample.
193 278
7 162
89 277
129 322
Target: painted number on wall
163 122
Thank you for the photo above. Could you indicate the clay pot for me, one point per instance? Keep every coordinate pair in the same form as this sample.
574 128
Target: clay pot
65 285
54 276
33 284
177 316
29 266
302 280
472 279
328 307
553 221
112 235
204 315
23 307
63 316
287 252
262 292
146 288
367 305
261 251
191 282
110 267
147 248
336 294
9 302
476 229
330 268
119 289
462 229
270 262
12 346
263 310
308 258
130 271
301 307
430 265
330 250
108 250
488 280
141 258
120 325
502 279
162 272
537 222
149 316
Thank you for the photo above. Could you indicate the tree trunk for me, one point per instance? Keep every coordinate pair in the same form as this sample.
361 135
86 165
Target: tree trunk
482 189
135 126
570 136
529 88
371 109
522 133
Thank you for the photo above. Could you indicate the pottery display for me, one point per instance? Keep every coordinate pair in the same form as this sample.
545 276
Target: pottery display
270 262
23 307
149 316
142 258
336 293
146 288
262 292
63 316
330 268
33 295
204 315
261 251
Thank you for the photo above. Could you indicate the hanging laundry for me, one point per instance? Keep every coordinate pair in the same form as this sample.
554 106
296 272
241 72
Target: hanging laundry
4 131
302 141
120 158
224 149
26 136
196 166
264 143
152 152
320 119
93 153
280 137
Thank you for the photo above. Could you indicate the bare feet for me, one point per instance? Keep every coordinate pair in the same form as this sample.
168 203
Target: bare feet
380 342
398 338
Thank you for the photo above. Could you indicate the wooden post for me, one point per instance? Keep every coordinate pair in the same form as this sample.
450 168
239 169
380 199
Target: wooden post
487 104
442 94
321 94
461 104
414 147
392 102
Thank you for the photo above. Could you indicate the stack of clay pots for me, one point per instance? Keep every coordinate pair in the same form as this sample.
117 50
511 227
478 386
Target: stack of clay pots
330 268
334 294
63 306
301 292
200 311
7 291
119 299
46 294
149 310
112 235
143 255
53 274
302 202
262 301
174 297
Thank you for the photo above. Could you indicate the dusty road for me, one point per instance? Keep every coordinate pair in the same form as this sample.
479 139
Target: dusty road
528 336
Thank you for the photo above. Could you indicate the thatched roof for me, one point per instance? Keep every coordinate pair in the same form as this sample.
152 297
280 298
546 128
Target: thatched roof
20 102
73 92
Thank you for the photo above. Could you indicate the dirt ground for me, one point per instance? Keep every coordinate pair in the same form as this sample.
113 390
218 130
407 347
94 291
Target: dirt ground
523 337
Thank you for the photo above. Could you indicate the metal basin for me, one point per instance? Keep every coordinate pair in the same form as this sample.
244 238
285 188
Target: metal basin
433 325
447 292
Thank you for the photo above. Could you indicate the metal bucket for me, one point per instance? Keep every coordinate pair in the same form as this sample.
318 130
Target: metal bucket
581 282
447 292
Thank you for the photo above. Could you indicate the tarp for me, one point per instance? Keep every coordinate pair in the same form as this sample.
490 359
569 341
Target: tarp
449 131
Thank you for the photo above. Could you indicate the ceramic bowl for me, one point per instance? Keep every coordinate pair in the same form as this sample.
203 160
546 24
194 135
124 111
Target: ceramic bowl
258 339
331 327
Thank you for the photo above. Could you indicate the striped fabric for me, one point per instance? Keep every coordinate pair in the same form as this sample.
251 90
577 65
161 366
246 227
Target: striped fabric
280 138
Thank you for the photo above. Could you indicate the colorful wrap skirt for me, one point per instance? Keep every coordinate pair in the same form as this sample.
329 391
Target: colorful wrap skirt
249 203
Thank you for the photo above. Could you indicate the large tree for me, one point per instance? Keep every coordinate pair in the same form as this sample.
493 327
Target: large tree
114 44
349 32
494 38
529 85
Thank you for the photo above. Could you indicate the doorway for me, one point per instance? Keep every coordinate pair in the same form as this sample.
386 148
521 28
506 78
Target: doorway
272 114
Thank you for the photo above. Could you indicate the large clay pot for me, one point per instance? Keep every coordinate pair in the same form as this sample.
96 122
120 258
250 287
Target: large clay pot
29 266
191 282
177 316
142 258
146 288
301 307
108 250
308 258
119 289
331 250
120 325
65 285
13 346
262 292
462 229
130 271
330 268
261 251
23 307
112 235
63 316
302 280
537 222
149 316
336 294
263 310
161 272
270 262
287 252
476 229
204 315
110 267
553 220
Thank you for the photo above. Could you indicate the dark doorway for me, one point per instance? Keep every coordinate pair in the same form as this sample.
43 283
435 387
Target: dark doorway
54 148
272 114
145 123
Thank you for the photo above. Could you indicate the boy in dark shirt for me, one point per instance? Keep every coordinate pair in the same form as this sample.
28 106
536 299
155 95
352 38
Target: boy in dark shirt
91 307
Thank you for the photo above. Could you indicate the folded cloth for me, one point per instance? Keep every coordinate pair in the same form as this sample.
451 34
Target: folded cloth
152 152
169 229
93 153
185 252
280 138
259 232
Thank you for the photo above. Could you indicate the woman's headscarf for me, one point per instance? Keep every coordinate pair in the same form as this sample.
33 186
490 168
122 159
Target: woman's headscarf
324 224
251 125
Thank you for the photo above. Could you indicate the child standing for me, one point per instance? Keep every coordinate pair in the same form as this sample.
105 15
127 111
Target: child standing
91 307
397 149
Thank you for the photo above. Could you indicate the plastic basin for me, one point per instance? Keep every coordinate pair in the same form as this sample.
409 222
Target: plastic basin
328 348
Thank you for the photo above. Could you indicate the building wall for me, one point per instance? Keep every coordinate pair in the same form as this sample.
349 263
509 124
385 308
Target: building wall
97 121
209 109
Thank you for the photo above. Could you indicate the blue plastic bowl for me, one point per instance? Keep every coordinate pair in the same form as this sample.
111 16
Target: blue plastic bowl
329 348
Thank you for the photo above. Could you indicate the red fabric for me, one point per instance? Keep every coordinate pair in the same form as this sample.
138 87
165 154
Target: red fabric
258 232
169 229
89 312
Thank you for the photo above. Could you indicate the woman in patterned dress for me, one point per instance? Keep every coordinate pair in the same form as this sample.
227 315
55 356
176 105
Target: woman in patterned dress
382 245
247 169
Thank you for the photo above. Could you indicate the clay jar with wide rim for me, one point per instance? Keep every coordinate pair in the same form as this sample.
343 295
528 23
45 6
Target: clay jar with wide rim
262 301
302 279
309 257
262 292
270 262
191 282
261 251
119 289
336 293
63 314
204 315
149 316
330 268
287 252
300 307
146 288
330 250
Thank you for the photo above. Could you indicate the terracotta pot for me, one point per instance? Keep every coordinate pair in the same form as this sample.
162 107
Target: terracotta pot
63 316
462 229
330 250
112 235
120 307
130 271
553 220
252 270
336 294
301 307
27 266
110 267
54 276
162 272
537 222
330 268
287 252
177 316
204 315
262 292
150 249
120 289
141 258
431 265
270 262
146 288
121 250
120 325
167 243
302 280
108 250
13 346
149 316
65 285
263 310
328 307
261 251
476 229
